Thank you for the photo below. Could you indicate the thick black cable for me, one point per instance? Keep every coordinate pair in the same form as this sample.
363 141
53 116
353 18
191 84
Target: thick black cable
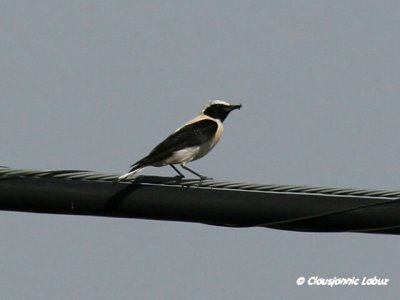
299 208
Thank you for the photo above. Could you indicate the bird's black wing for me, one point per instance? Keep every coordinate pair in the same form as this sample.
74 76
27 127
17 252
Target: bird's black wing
190 135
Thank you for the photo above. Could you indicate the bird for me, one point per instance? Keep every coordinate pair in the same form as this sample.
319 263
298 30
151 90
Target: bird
191 141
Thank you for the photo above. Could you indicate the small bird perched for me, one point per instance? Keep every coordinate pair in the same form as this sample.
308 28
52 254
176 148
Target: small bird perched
189 142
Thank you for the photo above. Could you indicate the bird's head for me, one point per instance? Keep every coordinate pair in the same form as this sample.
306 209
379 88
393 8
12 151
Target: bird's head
219 109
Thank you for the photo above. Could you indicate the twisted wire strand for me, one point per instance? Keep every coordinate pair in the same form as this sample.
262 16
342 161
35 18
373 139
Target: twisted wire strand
337 212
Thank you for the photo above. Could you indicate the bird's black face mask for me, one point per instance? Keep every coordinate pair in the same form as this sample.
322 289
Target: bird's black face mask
220 111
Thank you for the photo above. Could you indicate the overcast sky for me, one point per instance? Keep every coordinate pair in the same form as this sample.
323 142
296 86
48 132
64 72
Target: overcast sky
96 84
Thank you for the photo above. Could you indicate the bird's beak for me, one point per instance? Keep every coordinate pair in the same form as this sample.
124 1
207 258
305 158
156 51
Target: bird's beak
233 107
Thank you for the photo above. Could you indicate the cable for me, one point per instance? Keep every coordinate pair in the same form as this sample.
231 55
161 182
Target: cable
234 204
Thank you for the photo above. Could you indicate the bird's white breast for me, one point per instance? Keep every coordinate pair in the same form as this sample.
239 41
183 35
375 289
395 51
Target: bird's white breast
183 155
207 146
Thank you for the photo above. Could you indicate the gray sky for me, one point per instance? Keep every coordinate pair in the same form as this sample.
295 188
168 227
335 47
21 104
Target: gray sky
96 84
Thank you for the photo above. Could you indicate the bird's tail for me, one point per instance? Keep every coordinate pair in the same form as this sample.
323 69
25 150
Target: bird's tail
133 171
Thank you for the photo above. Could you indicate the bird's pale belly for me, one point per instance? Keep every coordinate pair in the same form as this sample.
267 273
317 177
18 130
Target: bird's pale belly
188 154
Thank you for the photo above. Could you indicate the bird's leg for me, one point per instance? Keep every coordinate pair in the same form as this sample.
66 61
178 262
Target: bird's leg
195 173
177 171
